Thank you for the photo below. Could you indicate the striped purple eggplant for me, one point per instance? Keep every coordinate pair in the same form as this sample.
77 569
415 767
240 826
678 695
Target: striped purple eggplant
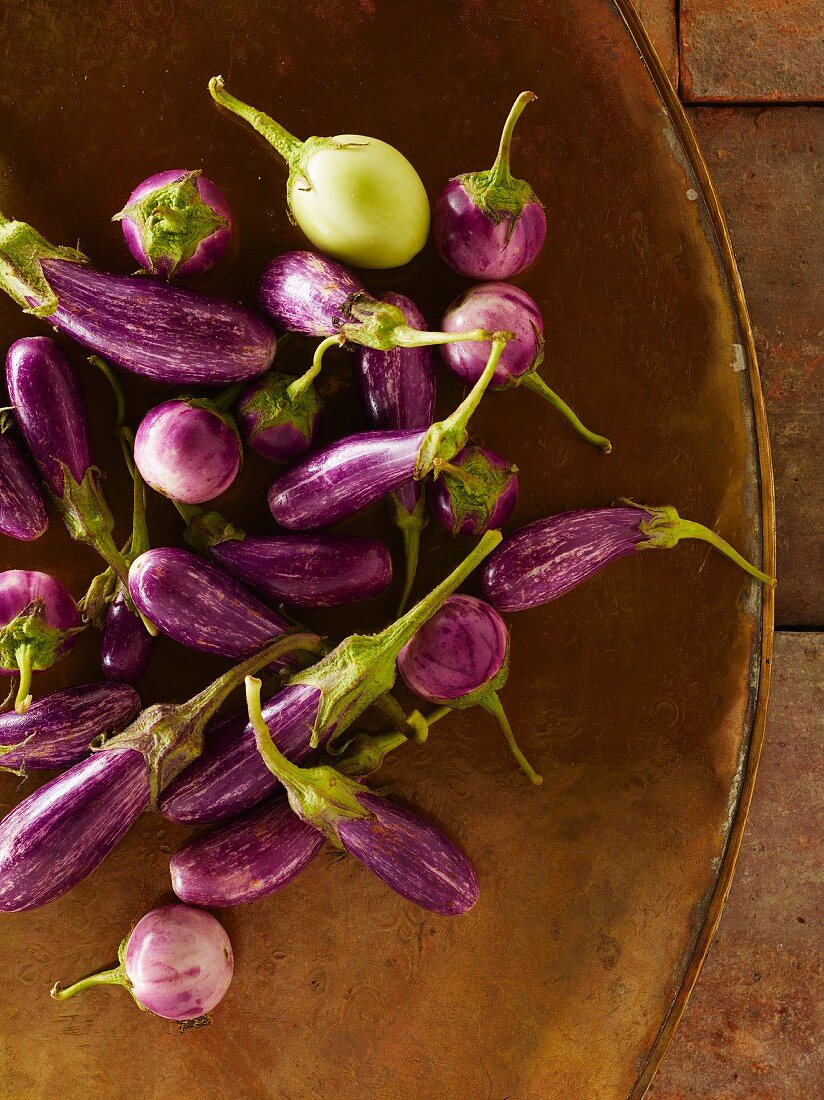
338 481
125 645
475 492
142 324
56 730
23 512
199 605
549 557
397 389
280 416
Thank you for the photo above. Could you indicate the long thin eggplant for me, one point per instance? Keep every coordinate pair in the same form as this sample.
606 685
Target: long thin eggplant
23 512
549 557
142 324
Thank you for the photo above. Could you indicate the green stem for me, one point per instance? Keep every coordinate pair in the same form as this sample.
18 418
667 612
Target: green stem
174 219
226 399
405 336
492 703
499 173
296 388
437 714
412 726
285 143
24 655
534 382
410 525
290 775
115 976
667 528
110 376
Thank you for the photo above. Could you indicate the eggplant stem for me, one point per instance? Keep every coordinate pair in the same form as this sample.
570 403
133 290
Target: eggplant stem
226 399
115 976
437 714
407 337
24 655
413 726
282 141
110 376
492 703
301 384
535 383
499 173
288 773
689 529
410 525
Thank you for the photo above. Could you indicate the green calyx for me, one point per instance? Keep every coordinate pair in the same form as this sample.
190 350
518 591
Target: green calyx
474 488
29 644
207 529
282 399
410 525
116 976
666 529
362 668
381 325
22 250
172 221
86 515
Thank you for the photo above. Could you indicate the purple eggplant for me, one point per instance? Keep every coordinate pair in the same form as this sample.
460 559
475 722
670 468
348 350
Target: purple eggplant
503 306
58 835
56 730
126 645
176 224
317 704
199 605
338 481
23 512
475 492
39 623
142 324
176 962
549 557
460 658
280 416
398 391
489 225
188 450
50 409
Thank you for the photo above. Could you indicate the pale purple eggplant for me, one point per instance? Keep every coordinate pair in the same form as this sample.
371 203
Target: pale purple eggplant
142 324
176 962
50 410
460 658
475 492
550 557
200 606
125 645
318 704
503 306
188 450
339 481
280 416
58 835
56 731
176 224
23 512
489 225
39 623
397 389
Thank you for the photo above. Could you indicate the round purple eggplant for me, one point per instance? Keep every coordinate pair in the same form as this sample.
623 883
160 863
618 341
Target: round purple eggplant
176 224
39 623
176 962
508 307
475 492
549 557
23 512
279 416
489 225
126 645
187 450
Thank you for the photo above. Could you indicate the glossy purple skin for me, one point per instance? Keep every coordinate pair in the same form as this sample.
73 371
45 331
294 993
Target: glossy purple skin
411 856
19 587
309 571
497 307
474 246
125 645
200 606
306 292
549 557
443 506
210 250
339 481
23 512
49 408
179 962
247 858
58 835
280 442
163 332
230 775
459 650
397 387
63 724
187 452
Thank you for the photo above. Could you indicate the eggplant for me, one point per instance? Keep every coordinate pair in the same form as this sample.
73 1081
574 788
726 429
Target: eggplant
475 492
176 224
23 512
397 389
338 481
280 416
142 324
176 962
551 556
489 225
125 645
56 731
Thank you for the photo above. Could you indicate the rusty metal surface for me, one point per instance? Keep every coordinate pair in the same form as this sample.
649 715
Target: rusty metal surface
754 1024
636 694
768 165
752 51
